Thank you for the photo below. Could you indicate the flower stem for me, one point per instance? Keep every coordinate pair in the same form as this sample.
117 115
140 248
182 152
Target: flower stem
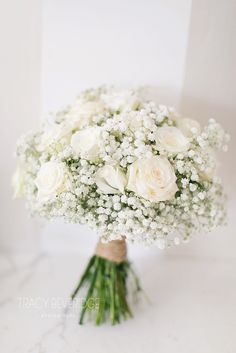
107 290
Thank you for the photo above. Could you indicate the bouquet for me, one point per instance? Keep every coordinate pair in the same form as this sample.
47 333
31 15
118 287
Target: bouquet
130 169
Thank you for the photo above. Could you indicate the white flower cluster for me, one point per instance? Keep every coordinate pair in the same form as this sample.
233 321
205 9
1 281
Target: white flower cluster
126 167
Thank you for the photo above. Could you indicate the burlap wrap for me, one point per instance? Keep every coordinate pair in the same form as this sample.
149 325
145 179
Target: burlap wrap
115 250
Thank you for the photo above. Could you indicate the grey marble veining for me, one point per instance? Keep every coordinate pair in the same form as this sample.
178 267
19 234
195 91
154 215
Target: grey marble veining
192 306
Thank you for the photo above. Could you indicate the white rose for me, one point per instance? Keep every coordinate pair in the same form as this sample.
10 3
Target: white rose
18 181
81 114
87 143
54 133
111 180
153 179
51 179
189 127
212 164
171 139
121 101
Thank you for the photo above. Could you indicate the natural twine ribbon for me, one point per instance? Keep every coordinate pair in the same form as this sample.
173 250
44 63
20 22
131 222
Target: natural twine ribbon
115 250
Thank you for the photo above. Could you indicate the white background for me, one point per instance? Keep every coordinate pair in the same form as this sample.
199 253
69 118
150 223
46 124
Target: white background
20 85
186 50
125 43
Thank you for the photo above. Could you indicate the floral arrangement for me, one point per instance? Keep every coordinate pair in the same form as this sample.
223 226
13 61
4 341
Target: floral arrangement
130 169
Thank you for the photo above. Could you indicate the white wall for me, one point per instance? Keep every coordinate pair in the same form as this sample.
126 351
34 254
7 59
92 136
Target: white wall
20 55
210 71
209 91
88 43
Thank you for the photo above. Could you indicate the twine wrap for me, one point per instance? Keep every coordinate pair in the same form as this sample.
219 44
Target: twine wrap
115 250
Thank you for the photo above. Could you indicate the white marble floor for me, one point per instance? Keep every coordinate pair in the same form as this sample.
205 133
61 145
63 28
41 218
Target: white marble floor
192 290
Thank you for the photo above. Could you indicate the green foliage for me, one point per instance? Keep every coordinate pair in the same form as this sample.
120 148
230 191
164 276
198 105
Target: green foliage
106 284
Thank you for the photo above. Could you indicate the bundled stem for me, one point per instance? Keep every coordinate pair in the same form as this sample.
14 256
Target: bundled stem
106 283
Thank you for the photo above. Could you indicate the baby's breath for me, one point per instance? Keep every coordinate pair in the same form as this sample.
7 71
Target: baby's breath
129 133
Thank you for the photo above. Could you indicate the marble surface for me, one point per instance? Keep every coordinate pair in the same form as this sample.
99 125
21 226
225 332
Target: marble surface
192 290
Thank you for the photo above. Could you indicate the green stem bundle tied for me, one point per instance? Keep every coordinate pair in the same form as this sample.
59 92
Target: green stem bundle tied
106 281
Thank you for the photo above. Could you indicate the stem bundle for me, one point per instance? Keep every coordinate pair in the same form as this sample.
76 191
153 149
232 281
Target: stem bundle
106 282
